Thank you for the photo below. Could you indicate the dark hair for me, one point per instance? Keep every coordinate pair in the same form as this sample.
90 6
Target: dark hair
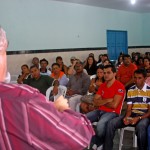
58 57
126 56
55 64
25 66
141 71
146 58
102 68
34 66
113 69
44 60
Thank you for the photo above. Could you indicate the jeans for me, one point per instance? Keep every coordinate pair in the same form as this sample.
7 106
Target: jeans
148 137
102 117
116 123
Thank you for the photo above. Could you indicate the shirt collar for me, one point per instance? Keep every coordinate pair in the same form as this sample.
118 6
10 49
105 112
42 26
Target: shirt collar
144 87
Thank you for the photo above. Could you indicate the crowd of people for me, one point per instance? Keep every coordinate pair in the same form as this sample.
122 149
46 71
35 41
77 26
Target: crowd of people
102 98
97 90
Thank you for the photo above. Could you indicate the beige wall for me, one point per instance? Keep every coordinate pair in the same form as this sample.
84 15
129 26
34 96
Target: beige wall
16 61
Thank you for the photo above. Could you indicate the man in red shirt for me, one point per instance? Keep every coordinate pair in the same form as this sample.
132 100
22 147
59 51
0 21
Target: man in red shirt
28 121
126 71
109 99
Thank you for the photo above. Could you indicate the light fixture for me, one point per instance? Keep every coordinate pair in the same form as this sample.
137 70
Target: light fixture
133 2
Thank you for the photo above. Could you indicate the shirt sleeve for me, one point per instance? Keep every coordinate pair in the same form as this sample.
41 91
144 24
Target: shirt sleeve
85 85
71 127
63 81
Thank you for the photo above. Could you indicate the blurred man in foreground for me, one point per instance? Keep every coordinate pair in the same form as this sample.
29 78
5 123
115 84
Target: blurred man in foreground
29 122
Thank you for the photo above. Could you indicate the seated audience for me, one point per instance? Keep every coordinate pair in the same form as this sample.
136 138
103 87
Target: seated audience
71 69
29 122
90 55
104 57
147 68
119 62
107 62
43 69
99 59
63 67
85 105
147 65
58 74
126 71
25 74
137 113
147 54
90 66
36 62
40 82
109 99
77 86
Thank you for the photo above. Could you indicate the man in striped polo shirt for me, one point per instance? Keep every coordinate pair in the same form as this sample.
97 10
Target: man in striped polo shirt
137 114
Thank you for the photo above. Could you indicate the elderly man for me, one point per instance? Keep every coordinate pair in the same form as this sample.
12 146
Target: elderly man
77 86
29 122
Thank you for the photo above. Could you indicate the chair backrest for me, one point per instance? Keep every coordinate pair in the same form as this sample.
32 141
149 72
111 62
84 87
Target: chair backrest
61 91
92 76
14 78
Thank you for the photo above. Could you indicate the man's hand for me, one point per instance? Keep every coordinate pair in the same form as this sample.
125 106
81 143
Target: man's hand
61 104
134 120
127 120
55 90
70 92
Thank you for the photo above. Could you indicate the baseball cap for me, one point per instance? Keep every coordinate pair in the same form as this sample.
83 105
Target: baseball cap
72 58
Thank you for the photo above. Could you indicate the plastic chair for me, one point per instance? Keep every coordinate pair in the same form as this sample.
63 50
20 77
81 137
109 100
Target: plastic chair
92 76
61 91
122 134
14 79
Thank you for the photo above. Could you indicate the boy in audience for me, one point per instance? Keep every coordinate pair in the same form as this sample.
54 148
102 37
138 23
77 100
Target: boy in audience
63 67
137 113
43 69
59 75
35 61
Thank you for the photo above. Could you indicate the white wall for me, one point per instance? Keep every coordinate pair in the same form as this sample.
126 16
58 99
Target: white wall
46 24
16 61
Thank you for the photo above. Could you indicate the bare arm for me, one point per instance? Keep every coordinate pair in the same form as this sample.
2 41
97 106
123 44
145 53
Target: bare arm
128 114
98 101
138 118
115 102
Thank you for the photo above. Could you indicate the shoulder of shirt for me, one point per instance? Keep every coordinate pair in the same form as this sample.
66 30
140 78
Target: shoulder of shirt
132 87
119 83
147 86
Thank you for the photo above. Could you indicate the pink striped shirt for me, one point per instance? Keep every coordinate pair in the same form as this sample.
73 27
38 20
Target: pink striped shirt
29 122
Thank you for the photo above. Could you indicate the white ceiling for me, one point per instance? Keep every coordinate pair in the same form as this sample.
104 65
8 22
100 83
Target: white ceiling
141 6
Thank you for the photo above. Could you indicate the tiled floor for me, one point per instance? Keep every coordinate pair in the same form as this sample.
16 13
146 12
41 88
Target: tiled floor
127 141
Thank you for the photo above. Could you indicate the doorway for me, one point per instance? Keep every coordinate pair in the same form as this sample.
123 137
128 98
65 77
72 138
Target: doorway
116 43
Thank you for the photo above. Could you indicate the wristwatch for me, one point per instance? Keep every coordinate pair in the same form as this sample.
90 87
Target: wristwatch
140 117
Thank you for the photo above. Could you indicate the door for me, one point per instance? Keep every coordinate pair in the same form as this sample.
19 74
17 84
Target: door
116 43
